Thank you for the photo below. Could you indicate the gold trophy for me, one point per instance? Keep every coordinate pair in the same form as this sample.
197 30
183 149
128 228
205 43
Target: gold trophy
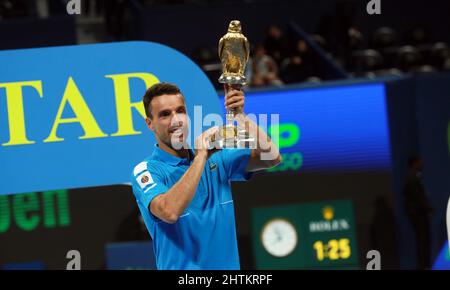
234 53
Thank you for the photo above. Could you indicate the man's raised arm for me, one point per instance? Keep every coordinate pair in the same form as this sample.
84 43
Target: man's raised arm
170 205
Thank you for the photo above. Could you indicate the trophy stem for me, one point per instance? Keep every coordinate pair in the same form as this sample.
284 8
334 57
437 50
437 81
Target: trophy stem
231 113
230 117
230 135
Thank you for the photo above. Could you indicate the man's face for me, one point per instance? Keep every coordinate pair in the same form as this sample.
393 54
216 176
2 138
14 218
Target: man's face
169 120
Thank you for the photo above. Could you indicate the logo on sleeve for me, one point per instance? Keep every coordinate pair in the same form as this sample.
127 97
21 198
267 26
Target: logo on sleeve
144 179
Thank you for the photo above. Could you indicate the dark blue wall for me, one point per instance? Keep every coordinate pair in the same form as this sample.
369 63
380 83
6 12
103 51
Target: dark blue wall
433 115
419 113
32 32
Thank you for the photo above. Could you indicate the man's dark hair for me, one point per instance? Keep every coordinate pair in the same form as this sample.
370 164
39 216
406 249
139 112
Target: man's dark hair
156 90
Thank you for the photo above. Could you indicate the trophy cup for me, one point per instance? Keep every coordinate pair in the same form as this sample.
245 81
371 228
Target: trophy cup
234 53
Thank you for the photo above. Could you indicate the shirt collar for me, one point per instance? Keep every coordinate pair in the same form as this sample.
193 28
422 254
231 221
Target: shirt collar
168 158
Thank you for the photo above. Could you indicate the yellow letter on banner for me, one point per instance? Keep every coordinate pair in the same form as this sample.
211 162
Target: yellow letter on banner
83 115
16 116
123 101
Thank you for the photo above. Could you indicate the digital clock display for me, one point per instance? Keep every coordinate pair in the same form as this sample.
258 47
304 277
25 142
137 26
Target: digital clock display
333 249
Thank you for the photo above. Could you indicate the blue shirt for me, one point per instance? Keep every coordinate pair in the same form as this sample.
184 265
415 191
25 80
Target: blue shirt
204 237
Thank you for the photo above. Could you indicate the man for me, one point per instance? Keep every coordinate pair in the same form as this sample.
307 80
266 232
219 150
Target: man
184 195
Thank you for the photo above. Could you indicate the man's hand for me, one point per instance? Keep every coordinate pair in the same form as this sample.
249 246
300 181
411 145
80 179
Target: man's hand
234 98
203 143
171 205
266 154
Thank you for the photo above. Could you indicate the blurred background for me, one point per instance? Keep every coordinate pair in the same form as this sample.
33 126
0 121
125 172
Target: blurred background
364 102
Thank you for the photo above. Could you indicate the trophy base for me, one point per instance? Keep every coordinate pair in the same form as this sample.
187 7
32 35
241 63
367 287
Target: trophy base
233 79
232 138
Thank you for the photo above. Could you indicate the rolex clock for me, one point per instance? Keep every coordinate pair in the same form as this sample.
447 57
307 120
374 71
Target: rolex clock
317 235
279 237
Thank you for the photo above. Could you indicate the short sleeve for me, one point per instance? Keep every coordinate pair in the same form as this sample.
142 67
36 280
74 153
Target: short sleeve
235 162
147 183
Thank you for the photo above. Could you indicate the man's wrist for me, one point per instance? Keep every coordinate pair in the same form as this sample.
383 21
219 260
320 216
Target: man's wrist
201 156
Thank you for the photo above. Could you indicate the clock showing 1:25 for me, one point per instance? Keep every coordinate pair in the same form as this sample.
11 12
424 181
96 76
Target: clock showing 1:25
334 249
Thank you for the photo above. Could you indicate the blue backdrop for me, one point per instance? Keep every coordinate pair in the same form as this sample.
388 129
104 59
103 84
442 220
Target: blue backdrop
106 76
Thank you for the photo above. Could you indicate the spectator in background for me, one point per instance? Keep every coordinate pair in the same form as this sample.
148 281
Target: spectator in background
418 209
276 44
356 39
300 65
264 69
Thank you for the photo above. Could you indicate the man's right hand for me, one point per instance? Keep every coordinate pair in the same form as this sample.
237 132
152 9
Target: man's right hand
171 205
203 143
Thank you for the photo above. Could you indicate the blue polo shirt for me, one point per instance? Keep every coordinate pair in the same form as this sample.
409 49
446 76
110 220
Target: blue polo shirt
204 237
